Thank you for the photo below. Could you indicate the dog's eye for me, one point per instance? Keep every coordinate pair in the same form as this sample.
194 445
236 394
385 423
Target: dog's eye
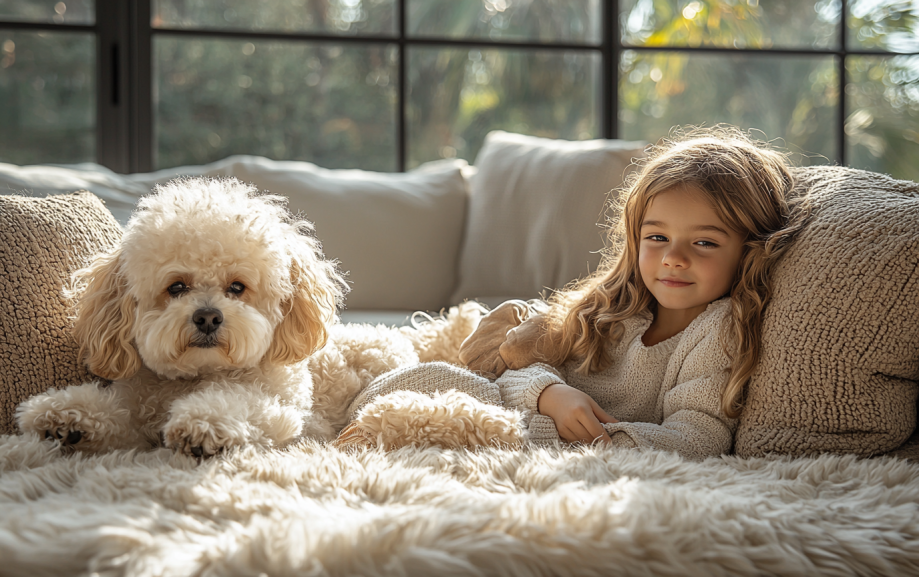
177 288
237 288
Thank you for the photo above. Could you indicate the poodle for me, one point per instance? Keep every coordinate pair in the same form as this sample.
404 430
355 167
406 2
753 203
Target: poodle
215 319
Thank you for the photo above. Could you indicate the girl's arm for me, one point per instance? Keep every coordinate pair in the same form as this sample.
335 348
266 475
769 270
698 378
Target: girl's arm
693 424
580 418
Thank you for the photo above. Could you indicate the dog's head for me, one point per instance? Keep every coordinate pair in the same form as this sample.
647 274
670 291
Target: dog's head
209 276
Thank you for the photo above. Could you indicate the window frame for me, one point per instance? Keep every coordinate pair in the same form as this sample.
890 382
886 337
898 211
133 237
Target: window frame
124 67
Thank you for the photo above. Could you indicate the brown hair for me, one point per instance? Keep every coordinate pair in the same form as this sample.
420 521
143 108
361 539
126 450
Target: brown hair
748 185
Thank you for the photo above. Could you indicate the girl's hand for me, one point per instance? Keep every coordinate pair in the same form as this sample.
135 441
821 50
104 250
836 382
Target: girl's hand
577 417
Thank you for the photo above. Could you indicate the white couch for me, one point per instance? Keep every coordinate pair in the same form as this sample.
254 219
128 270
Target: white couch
527 216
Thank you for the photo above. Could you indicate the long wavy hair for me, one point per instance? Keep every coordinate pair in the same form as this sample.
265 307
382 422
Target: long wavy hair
748 184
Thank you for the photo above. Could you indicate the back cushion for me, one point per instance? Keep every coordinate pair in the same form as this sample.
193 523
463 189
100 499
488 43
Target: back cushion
43 240
536 213
397 235
840 356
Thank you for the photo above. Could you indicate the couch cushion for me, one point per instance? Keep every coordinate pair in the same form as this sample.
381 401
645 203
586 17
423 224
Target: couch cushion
534 213
840 356
396 234
42 240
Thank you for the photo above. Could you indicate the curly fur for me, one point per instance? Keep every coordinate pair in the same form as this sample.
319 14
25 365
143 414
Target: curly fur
450 420
439 338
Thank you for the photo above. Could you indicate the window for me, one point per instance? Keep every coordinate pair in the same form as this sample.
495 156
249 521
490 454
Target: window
47 82
390 84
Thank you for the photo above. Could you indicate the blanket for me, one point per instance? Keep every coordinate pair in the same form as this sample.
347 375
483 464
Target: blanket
315 510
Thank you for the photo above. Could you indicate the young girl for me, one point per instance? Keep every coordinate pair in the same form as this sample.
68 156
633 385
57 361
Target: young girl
656 347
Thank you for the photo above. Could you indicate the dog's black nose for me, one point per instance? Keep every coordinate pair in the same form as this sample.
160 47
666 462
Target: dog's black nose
207 320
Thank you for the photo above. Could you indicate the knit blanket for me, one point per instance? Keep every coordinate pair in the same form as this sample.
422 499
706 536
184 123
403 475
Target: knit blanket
315 510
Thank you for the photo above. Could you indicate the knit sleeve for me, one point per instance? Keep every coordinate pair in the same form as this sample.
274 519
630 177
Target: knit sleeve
692 432
520 389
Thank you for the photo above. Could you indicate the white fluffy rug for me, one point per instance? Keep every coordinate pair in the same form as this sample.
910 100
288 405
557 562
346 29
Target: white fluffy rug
313 510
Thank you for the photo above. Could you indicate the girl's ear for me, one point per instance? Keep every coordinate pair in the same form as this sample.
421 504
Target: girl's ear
105 319
309 311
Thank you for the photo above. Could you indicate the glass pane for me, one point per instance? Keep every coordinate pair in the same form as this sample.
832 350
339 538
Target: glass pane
48 91
882 122
56 11
520 20
456 96
326 16
328 104
731 23
883 24
788 97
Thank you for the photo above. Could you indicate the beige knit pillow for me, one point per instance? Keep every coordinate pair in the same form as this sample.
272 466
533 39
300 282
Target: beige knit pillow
42 240
841 336
536 214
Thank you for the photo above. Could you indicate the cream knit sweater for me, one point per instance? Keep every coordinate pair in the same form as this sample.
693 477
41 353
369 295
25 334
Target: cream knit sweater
666 396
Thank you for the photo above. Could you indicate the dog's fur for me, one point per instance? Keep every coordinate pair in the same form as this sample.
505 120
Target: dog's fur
276 368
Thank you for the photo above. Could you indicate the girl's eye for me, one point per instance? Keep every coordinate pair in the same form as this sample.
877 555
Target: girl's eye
706 244
237 288
657 237
177 288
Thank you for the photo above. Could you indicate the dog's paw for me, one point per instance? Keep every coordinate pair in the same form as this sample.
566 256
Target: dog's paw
72 428
68 437
199 438
86 418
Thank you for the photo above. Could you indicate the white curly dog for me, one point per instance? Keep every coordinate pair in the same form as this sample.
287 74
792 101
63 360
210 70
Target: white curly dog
215 318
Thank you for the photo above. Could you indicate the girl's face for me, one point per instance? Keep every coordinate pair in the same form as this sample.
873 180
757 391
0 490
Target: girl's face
687 256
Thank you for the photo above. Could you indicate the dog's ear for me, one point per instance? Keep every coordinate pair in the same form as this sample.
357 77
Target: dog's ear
310 310
105 319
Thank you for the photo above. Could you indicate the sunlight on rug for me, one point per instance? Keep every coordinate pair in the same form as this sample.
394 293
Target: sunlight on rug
313 510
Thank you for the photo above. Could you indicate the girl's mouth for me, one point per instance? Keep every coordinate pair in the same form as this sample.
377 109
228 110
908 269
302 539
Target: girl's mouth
674 283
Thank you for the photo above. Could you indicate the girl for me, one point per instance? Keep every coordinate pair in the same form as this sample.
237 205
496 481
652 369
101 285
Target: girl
656 347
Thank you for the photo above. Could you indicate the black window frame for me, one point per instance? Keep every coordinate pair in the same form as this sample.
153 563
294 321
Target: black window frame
124 67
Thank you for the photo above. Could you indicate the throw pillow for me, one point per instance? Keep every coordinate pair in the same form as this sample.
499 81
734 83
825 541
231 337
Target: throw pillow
43 240
840 356
536 211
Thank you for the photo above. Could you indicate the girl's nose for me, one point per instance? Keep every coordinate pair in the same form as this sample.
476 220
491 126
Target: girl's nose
675 258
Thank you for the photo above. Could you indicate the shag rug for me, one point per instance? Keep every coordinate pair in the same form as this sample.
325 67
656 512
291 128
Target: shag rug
315 510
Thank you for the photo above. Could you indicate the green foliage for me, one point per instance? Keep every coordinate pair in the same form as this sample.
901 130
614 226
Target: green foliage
333 105
47 91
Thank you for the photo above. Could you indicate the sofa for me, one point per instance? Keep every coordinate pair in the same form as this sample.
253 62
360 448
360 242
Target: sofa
837 384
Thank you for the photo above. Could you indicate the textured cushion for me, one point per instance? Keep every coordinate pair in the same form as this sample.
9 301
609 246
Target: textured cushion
42 240
534 210
397 234
840 356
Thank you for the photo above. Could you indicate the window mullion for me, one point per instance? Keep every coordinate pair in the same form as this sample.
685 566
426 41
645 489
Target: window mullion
609 75
401 129
141 78
112 86
841 73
